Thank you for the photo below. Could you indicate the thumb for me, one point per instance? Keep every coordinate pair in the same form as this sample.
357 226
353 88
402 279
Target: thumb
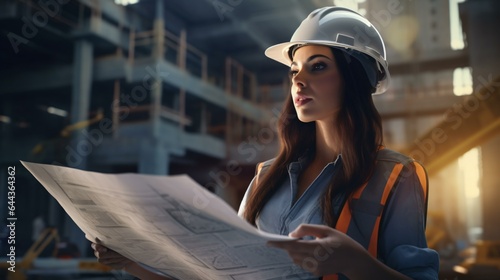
318 231
99 247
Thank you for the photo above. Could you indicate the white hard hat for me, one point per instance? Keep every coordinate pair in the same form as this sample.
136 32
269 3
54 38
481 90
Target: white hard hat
344 29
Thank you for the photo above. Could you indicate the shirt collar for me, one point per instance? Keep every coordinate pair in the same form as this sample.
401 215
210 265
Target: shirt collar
303 161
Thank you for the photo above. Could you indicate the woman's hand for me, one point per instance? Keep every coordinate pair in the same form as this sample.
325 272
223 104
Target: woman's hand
331 252
109 257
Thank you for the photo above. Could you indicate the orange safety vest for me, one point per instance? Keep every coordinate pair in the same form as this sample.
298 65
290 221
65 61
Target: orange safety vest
370 200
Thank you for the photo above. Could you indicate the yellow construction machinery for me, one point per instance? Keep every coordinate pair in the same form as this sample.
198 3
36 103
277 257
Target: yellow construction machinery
46 237
24 266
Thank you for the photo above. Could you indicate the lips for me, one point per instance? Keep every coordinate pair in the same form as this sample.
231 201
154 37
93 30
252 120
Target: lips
302 100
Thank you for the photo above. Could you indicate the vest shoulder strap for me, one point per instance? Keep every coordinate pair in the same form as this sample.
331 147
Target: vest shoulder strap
362 212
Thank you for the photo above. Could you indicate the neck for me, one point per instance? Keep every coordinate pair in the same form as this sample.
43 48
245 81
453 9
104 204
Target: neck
328 145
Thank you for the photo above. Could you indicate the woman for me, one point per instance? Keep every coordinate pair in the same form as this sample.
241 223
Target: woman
357 209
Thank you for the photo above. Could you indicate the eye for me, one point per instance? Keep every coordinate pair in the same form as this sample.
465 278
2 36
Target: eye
292 72
318 66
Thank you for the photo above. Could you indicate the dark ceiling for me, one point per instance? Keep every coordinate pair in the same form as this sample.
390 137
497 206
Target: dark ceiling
241 29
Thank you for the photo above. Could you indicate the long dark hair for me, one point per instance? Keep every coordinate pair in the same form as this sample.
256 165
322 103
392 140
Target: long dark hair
360 129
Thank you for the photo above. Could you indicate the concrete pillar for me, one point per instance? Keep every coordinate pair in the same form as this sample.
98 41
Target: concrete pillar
160 10
482 18
159 30
153 158
80 146
156 98
158 51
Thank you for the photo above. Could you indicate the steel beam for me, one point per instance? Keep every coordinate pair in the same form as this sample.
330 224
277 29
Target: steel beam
468 124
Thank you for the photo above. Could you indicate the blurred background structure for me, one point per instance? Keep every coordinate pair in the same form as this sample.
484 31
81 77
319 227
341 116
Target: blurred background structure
169 87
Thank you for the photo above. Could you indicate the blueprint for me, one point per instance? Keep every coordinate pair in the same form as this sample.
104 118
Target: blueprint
169 224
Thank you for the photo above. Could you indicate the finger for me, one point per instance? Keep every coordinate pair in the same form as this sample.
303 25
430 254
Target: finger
99 246
101 249
297 246
108 255
96 246
318 231
99 242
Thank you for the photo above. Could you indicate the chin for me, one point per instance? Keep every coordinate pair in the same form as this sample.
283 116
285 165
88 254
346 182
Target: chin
305 119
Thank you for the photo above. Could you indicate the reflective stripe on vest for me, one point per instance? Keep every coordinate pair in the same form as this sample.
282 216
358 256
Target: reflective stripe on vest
368 203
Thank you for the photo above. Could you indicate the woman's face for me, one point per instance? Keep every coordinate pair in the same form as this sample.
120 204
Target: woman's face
316 84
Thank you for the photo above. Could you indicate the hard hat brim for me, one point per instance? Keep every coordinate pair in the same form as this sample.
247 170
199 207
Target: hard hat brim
279 53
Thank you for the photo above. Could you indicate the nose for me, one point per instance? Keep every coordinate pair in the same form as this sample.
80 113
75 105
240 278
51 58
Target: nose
299 80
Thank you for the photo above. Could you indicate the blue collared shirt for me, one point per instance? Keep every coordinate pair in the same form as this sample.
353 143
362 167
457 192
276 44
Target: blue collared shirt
402 244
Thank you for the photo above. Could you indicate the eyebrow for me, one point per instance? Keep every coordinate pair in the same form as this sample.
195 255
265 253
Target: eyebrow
311 58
